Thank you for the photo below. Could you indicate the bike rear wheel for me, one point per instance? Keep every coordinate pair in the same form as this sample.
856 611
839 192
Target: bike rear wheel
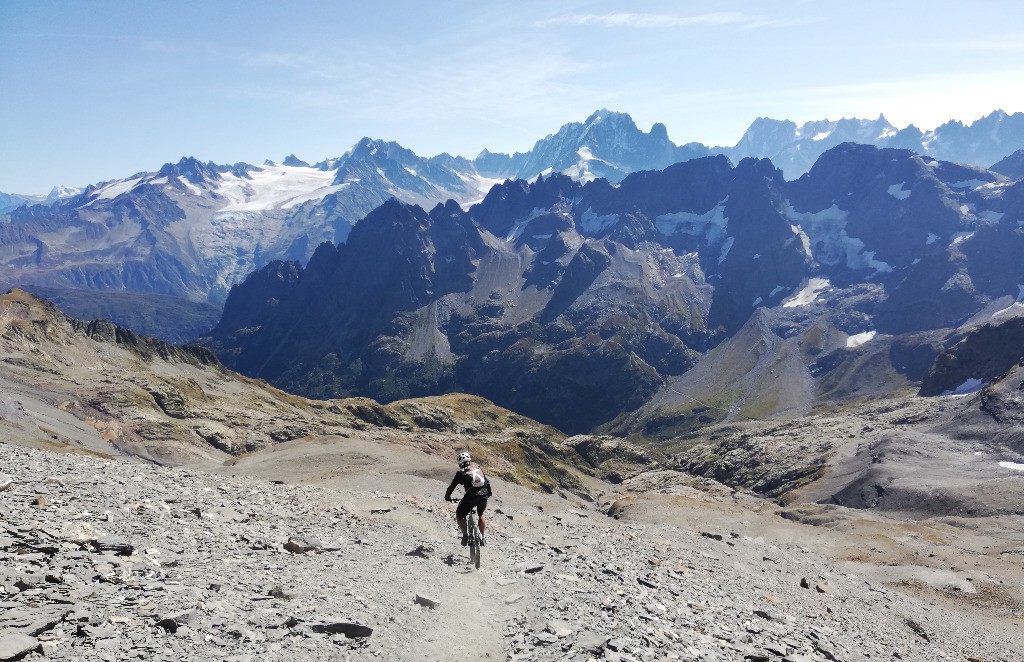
474 542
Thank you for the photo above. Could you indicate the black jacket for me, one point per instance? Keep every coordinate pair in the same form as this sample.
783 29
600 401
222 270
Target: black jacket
462 478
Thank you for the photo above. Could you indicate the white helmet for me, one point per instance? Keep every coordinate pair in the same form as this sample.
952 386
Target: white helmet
463 459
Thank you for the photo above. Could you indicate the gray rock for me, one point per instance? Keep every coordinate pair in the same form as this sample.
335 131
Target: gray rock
173 622
559 628
15 644
591 642
545 637
279 593
424 601
299 545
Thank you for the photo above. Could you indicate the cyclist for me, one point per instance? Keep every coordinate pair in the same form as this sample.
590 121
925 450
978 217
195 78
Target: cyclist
477 487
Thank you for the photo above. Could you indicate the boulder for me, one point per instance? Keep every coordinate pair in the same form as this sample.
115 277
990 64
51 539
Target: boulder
15 645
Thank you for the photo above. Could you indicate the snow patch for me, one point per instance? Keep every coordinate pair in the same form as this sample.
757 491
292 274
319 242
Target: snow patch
932 238
961 237
990 216
828 241
968 387
517 229
807 295
192 188
594 224
581 170
858 339
711 224
726 246
822 135
804 239
1016 466
757 302
778 288
1017 305
897 191
117 188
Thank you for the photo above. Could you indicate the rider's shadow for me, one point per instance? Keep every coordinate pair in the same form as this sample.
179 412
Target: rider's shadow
452 561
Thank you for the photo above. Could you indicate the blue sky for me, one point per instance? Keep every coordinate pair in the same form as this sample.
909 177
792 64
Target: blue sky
99 90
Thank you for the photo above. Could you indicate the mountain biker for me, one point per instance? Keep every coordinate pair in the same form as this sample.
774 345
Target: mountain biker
477 487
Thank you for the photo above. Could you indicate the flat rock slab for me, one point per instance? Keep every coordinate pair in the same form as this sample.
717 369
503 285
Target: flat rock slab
300 545
13 645
31 621
591 642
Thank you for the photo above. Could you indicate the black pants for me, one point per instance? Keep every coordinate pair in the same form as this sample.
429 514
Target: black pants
469 502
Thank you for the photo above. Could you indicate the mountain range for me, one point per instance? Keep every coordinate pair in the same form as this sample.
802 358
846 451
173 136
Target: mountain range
192 229
593 305
11 201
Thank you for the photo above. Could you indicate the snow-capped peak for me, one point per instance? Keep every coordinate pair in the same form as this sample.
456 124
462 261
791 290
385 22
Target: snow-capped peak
61 192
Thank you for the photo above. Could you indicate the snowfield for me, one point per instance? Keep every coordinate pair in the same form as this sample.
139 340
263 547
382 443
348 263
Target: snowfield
276 187
807 295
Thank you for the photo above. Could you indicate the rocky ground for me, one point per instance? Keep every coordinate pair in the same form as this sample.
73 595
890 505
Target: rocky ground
113 559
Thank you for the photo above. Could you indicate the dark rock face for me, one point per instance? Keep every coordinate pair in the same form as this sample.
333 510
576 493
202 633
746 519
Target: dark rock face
1012 166
191 169
338 313
985 354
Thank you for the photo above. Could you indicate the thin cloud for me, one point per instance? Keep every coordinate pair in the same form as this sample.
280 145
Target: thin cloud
665 21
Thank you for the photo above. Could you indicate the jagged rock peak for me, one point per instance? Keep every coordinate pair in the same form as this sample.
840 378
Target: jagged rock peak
191 169
294 161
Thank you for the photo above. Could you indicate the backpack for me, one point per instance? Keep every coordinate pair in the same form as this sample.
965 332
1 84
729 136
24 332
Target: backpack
476 475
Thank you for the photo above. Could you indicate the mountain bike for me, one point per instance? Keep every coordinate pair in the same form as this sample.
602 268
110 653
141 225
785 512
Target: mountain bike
474 535
473 529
